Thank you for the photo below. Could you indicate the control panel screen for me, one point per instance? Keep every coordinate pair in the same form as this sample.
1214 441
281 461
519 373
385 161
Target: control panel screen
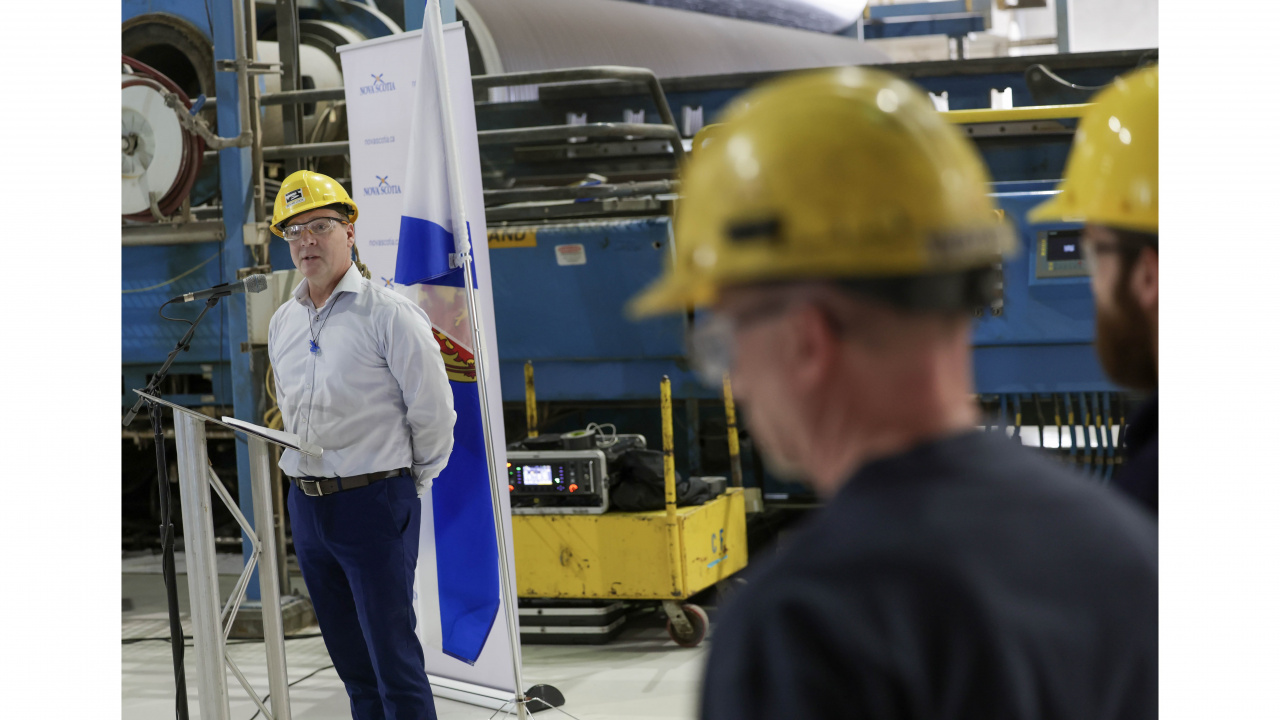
537 474
1062 246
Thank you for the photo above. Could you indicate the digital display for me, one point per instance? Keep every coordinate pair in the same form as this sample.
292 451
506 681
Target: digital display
537 474
1062 246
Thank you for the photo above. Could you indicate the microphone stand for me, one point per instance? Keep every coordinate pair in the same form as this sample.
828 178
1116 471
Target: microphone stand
167 565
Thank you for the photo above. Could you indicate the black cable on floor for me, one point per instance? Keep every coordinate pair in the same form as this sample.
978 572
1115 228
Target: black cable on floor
313 673
295 682
244 641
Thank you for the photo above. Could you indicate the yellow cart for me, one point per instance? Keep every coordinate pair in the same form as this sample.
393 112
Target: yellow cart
665 555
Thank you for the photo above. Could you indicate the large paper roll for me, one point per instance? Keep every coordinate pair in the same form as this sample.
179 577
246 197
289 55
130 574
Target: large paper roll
547 34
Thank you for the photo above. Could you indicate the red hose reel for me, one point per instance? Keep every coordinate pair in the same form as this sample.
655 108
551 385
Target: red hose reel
157 153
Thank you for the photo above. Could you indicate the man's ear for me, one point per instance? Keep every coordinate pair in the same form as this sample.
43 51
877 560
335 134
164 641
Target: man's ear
1144 282
815 347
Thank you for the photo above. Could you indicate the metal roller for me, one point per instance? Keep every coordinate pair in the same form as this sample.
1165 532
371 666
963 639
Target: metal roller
327 35
322 121
545 34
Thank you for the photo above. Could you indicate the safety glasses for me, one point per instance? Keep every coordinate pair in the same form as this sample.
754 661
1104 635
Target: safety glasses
1090 250
712 344
318 226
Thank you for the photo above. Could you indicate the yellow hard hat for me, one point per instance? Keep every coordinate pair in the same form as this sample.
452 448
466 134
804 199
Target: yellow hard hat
1113 172
847 173
306 190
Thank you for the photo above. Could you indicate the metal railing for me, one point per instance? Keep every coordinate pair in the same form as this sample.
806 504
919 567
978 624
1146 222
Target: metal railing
667 130
601 72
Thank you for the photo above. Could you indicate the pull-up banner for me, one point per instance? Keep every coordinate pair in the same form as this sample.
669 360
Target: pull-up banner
460 613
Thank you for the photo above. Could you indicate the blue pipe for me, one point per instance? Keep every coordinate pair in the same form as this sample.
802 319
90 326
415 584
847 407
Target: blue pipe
235 168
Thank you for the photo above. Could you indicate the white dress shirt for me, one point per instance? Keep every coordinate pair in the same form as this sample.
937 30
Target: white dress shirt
375 397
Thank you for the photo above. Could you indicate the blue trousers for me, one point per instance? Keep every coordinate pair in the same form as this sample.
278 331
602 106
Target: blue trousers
358 550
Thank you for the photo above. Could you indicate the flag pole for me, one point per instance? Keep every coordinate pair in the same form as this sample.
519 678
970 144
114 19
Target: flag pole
433 24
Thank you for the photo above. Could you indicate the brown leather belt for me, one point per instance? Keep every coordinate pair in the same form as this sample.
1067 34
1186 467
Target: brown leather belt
318 486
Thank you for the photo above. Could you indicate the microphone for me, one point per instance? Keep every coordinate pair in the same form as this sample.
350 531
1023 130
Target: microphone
251 284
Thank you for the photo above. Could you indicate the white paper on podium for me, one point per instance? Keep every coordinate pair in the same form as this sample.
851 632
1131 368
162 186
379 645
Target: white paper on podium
287 439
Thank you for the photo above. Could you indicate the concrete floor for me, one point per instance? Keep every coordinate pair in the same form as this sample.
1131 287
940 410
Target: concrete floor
640 675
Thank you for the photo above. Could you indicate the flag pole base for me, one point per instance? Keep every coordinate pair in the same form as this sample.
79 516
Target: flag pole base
543 697
536 698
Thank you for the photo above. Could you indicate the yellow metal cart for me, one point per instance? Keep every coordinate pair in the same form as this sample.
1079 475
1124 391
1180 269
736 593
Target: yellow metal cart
664 555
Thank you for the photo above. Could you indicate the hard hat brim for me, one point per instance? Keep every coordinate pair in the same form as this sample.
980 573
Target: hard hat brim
1052 210
664 296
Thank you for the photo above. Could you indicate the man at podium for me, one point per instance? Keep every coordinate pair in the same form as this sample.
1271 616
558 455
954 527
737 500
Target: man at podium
359 373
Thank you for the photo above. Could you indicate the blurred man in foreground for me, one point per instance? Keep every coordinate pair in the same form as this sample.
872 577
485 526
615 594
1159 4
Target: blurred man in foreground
1112 184
839 230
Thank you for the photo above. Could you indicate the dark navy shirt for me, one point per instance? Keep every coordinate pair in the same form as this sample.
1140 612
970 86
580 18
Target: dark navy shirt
1140 475
965 578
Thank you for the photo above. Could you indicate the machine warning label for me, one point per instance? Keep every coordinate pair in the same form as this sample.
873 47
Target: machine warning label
513 238
293 197
575 254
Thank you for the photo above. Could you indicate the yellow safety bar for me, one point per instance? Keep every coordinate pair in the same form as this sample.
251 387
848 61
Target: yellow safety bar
731 422
1102 444
1057 419
1071 423
1018 114
669 482
530 400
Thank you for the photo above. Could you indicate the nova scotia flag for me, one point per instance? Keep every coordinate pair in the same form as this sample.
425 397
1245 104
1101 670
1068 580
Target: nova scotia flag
466 584
426 227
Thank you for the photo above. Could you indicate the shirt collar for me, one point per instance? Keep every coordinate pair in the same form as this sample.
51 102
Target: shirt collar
352 281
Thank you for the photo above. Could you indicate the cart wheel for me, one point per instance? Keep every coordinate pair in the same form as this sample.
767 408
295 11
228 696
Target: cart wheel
698 619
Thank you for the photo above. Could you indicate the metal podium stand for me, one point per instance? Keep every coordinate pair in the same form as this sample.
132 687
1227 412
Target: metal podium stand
209 625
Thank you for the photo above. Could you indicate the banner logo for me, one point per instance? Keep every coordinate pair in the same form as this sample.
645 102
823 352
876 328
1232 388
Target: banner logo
379 86
384 187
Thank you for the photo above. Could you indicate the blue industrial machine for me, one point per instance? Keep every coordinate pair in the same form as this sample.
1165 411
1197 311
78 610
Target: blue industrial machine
1034 361
953 18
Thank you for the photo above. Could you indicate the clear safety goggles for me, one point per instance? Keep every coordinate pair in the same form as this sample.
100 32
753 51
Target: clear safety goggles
319 226
712 343
1090 250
